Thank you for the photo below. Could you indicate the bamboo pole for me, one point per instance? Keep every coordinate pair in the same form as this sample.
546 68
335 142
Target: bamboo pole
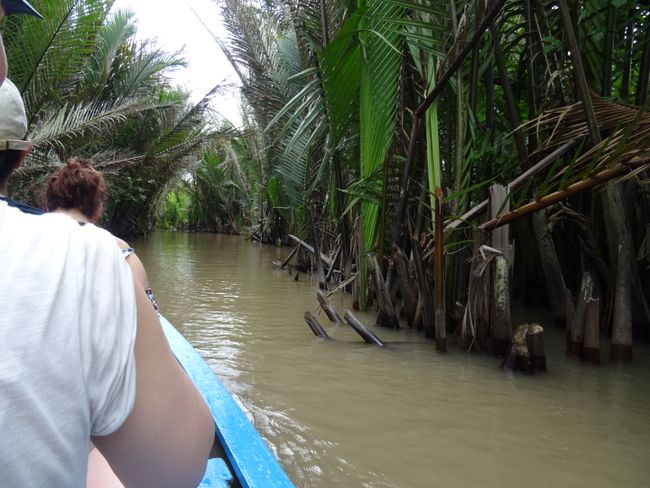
575 188
514 184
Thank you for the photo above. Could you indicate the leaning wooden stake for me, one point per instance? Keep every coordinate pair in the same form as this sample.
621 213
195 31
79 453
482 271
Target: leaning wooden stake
291 254
361 329
328 308
315 326
325 259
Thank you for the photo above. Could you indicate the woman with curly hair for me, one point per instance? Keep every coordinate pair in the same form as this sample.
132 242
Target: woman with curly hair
79 190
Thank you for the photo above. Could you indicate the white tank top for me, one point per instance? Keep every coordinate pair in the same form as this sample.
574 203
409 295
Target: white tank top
67 333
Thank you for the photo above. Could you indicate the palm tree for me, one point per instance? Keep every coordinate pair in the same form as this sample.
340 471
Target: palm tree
91 89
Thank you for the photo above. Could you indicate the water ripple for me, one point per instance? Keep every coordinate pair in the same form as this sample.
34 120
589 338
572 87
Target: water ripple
341 413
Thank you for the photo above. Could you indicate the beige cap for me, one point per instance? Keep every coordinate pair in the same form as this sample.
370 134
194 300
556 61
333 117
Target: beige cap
13 121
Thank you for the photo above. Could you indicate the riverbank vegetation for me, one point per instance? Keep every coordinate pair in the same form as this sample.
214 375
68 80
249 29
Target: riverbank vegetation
92 88
480 150
475 151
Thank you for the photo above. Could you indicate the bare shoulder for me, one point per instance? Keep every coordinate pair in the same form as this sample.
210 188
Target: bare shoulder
122 243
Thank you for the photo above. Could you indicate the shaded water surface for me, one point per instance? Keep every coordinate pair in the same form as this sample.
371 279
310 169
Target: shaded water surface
340 413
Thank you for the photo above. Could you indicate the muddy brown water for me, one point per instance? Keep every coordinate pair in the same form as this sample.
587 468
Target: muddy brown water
340 413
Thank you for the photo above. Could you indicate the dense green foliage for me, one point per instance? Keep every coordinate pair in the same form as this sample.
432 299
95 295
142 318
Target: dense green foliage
336 87
91 89
341 145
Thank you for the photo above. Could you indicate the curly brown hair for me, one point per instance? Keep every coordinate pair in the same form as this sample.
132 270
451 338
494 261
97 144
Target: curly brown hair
77 185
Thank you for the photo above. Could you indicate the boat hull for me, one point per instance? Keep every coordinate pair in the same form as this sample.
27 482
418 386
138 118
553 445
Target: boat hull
253 464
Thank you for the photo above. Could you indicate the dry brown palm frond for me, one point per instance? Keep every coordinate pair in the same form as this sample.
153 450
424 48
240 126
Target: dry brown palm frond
625 132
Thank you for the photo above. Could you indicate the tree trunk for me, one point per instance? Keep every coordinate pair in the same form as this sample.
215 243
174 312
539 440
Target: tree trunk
388 316
344 222
439 273
574 347
322 282
409 294
555 286
424 292
622 324
501 329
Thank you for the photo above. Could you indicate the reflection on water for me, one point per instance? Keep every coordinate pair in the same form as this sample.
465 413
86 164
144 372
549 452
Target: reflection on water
342 413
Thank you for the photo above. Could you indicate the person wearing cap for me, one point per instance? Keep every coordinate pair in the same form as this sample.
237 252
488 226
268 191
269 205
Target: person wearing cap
73 327
14 143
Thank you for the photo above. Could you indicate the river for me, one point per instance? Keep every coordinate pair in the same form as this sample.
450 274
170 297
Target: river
340 413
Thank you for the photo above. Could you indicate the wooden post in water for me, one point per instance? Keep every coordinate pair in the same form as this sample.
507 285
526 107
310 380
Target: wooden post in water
591 345
536 352
526 352
361 329
501 327
327 307
315 326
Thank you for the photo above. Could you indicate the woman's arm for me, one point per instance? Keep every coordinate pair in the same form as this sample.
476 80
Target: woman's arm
137 268
166 440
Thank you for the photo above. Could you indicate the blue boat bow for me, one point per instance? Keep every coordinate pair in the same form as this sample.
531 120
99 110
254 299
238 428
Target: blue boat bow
253 463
